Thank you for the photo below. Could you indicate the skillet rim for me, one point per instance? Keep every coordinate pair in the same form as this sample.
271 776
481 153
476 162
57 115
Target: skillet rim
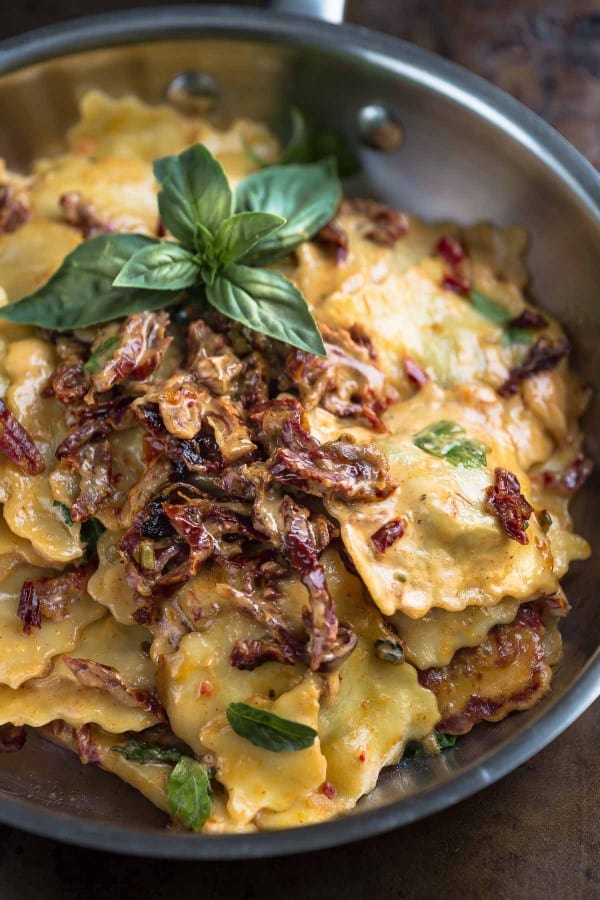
509 116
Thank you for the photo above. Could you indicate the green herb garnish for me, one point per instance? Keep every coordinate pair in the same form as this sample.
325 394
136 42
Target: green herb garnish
219 240
268 730
64 511
496 314
101 354
448 440
89 533
491 310
143 752
445 741
414 749
389 650
188 793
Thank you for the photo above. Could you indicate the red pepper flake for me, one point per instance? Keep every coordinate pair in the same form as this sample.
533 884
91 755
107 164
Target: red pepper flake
328 789
361 757
388 534
206 689
414 372
507 503
451 249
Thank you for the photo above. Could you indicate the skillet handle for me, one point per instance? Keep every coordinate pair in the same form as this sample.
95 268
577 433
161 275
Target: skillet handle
326 10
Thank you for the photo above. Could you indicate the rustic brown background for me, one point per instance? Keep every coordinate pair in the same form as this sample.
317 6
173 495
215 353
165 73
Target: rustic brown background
536 834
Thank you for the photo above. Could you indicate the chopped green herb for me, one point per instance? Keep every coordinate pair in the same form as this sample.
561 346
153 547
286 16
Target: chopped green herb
188 793
445 741
64 511
89 534
448 440
389 650
101 355
497 314
545 520
491 310
143 752
516 336
268 730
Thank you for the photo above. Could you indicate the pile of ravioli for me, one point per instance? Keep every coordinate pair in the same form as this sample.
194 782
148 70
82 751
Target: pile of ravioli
452 588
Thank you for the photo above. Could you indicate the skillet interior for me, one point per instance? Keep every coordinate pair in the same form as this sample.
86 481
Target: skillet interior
469 153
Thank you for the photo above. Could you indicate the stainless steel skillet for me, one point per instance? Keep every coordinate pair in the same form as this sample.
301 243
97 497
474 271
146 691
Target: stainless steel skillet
469 152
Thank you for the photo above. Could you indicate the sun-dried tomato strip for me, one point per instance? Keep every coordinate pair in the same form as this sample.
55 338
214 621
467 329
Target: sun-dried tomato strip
14 208
17 445
51 597
388 534
414 372
93 674
543 356
505 501
12 738
333 236
81 214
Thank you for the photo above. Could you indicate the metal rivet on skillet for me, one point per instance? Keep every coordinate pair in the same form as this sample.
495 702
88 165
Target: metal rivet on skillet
193 92
378 128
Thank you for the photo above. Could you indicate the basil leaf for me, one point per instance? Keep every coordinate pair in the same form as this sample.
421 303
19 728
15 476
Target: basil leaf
81 291
448 440
444 740
266 302
163 267
143 752
267 730
241 232
89 533
188 793
306 196
489 309
64 511
101 354
195 197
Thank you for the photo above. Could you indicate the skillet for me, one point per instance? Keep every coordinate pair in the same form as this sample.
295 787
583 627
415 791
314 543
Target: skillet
467 152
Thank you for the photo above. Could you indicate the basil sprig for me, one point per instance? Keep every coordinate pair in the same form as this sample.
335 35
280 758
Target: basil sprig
143 752
189 793
448 440
219 238
268 730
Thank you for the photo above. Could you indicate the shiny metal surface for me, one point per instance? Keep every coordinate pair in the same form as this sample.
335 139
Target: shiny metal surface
469 152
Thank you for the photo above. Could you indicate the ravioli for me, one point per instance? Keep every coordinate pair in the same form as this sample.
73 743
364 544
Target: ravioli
25 656
453 553
59 695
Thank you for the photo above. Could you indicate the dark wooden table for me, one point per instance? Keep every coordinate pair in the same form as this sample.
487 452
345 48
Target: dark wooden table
535 834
